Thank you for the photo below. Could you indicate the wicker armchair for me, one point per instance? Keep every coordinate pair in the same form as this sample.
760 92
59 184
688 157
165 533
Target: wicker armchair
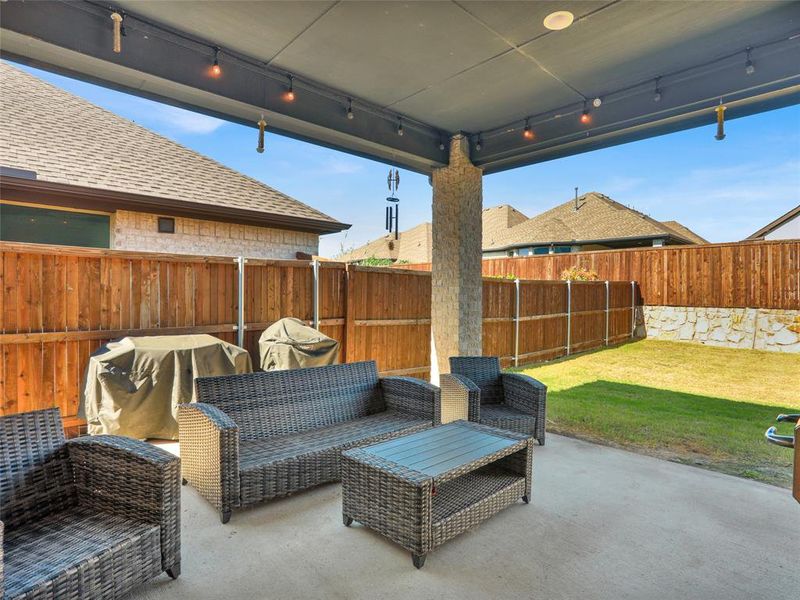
88 518
506 400
258 436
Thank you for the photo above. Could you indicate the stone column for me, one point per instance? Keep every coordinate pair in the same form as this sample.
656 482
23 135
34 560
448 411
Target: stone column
457 290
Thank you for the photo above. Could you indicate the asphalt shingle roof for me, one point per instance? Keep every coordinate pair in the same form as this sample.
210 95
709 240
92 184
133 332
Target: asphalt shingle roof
597 217
65 139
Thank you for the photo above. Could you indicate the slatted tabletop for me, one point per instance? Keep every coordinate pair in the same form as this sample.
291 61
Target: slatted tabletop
437 451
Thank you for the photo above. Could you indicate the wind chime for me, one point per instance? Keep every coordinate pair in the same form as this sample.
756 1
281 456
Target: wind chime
393 209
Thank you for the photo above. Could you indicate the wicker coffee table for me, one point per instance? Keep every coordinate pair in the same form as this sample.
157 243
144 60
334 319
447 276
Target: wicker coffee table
422 489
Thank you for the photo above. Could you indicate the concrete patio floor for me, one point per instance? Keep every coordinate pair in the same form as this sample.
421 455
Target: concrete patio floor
603 524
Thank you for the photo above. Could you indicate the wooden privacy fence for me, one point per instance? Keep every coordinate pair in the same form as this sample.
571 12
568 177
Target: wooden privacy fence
763 274
59 304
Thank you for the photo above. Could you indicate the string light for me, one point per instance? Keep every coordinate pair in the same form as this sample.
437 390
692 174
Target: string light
350 114
479 144
749 67
400 126
657 94
216 71
597 102
288 95
585 117
527 132
441 144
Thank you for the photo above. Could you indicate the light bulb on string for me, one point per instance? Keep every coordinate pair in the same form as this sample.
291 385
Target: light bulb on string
527 132
288 95
350 114
749 67
216 71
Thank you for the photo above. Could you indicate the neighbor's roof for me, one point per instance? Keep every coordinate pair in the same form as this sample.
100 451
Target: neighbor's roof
598 218
415 245
66 140
759 235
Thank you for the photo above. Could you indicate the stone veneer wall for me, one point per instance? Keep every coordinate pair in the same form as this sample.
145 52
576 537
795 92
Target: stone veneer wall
759 328
139 231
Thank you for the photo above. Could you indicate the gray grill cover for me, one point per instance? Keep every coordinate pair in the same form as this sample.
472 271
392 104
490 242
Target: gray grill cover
134 385
291 344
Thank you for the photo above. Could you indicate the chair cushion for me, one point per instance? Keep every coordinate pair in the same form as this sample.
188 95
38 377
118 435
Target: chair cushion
111 554
281 465
505 417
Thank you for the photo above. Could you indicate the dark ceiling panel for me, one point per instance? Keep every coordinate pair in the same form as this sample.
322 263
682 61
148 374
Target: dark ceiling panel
386 51
634 41
505 89
258 29
519 22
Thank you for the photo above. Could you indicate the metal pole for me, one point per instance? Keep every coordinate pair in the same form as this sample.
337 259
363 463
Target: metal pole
607 308
569 314
315 302
240 327
516 322
633 308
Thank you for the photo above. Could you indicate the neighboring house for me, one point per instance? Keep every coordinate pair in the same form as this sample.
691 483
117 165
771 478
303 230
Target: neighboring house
589 222
785 227
414 245
73 173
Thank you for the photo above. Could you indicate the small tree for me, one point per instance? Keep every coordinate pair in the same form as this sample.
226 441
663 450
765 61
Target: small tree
577 273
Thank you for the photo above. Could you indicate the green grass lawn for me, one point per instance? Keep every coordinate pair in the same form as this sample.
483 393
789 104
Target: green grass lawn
689 403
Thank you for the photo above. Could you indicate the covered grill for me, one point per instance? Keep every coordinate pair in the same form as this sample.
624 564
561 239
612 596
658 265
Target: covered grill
291 344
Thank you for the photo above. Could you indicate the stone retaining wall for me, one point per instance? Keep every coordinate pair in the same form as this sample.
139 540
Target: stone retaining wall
761 329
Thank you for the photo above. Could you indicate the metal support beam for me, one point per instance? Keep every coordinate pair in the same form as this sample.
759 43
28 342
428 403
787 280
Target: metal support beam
315 291
607 308
516 322
240 326
569 315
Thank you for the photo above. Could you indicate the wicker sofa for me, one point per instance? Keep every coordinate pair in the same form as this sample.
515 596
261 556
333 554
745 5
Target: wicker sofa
86 518
509 401
258 436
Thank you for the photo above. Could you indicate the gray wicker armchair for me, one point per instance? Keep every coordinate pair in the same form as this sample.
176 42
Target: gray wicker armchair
85 518
506 400
262 435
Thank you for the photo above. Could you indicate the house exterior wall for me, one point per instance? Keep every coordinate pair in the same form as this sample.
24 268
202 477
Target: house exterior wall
139 231
787 231
760 329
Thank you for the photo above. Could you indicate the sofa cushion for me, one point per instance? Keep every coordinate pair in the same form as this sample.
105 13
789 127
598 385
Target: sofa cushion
265 463
110 552
505 417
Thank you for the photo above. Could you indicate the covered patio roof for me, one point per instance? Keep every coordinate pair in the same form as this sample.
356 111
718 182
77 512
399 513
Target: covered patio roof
434 68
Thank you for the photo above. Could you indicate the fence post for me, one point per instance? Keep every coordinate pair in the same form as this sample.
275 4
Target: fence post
349 316
516 322
315 292
607 309
240 326
633 308
569 314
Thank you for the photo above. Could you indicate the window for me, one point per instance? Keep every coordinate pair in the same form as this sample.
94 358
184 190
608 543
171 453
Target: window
19 223
562 249
166 225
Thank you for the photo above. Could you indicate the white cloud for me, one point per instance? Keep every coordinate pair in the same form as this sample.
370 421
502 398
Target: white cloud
339 166
184 121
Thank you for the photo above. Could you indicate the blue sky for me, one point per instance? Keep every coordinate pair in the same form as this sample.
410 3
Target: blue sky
722 190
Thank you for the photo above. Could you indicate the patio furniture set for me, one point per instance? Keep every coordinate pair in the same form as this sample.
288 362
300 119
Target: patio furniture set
95 516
